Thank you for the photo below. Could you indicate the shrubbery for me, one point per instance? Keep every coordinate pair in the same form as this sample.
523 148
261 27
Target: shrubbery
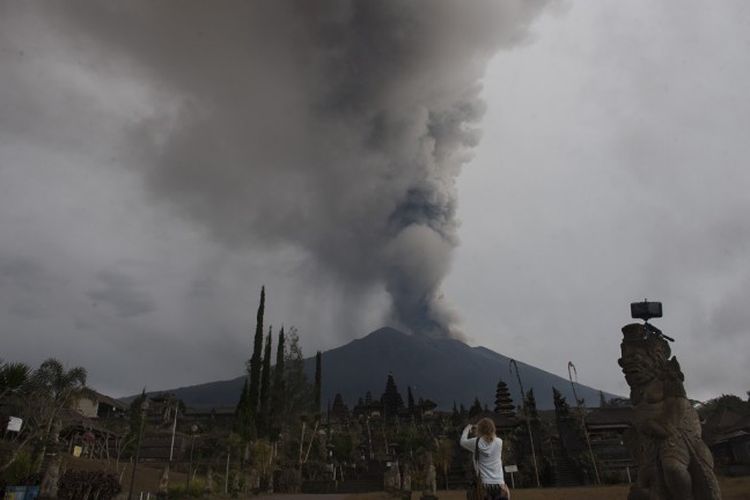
77 485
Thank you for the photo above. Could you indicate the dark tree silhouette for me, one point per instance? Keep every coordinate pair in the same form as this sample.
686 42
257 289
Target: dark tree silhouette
243 420
476 408
264 409
391 399
456 418
410 401
278 392
254 367
318 381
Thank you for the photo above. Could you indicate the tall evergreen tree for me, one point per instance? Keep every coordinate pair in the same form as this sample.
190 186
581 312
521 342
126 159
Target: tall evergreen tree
391 399
530 406
299 391
455 416
318 381
562 410
476 408
264 409
503 401
242 416
410 400
254 367
278 393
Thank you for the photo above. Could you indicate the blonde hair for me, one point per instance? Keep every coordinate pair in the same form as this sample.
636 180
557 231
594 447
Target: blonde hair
486 429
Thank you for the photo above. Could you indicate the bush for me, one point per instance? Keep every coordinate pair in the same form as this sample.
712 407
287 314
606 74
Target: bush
87 484
19 471
196 490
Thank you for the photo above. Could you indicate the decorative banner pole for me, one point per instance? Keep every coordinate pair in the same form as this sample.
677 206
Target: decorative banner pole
144 409
512 365
572 371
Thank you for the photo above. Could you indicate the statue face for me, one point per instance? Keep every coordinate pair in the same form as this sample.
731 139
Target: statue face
639 368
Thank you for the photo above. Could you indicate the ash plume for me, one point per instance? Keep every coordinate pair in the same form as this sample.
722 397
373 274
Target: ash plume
338 127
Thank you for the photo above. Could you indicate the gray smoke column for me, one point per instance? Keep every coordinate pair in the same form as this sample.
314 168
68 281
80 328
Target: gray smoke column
338 127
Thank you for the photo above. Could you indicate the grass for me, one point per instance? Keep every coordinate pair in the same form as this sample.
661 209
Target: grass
737 488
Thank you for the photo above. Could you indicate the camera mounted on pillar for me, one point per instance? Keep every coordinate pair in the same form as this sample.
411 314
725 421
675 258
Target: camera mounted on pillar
648 310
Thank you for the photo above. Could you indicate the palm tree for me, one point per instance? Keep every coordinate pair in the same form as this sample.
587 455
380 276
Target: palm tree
57 389
48 390
13 378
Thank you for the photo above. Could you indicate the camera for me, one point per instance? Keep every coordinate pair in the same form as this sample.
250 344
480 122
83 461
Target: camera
645 310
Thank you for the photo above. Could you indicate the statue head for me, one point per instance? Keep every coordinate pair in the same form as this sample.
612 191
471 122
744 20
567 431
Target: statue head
644 357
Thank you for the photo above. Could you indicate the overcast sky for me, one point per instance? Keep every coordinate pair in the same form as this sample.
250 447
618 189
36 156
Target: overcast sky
612 166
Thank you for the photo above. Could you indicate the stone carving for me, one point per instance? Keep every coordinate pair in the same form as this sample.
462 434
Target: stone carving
406 479
209 489
164 481
674 463
430 491
390 483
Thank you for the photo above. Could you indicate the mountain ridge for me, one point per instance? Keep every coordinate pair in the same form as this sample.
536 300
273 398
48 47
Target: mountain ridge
443 370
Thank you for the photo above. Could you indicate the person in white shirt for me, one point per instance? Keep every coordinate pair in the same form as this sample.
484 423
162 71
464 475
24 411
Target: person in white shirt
490 460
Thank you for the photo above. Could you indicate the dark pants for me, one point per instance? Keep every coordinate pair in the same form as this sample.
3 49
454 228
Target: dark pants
493 492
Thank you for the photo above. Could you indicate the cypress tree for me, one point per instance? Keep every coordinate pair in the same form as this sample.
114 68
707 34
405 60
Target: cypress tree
254 366
242 417
279 386
391 399
476 408
410 399
562 410
318 381
455 416
264 411
530 406
503 401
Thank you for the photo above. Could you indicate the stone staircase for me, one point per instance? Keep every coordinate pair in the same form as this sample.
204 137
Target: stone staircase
566 473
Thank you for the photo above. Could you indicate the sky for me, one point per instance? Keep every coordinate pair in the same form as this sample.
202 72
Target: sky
510 173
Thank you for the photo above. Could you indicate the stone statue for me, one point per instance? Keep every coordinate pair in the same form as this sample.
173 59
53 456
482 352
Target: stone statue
51 478
236 484
430 491
254 480
406 479
209 489
164 481
389 479
674 463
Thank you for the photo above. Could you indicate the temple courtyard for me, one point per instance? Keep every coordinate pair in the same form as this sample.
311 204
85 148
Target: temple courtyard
732 489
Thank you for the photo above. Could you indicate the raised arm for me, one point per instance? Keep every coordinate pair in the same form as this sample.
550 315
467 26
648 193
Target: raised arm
466 441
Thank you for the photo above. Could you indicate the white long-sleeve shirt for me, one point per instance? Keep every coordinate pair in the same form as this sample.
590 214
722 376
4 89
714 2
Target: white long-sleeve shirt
490 457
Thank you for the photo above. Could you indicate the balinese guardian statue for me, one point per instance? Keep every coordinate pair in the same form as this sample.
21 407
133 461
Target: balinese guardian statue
673 461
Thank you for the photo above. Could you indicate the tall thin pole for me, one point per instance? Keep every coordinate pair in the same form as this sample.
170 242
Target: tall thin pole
144 406
174 431
512 365
571 371
226 476
190 467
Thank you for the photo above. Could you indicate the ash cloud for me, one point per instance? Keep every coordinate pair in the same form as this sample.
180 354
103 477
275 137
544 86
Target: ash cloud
338 127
